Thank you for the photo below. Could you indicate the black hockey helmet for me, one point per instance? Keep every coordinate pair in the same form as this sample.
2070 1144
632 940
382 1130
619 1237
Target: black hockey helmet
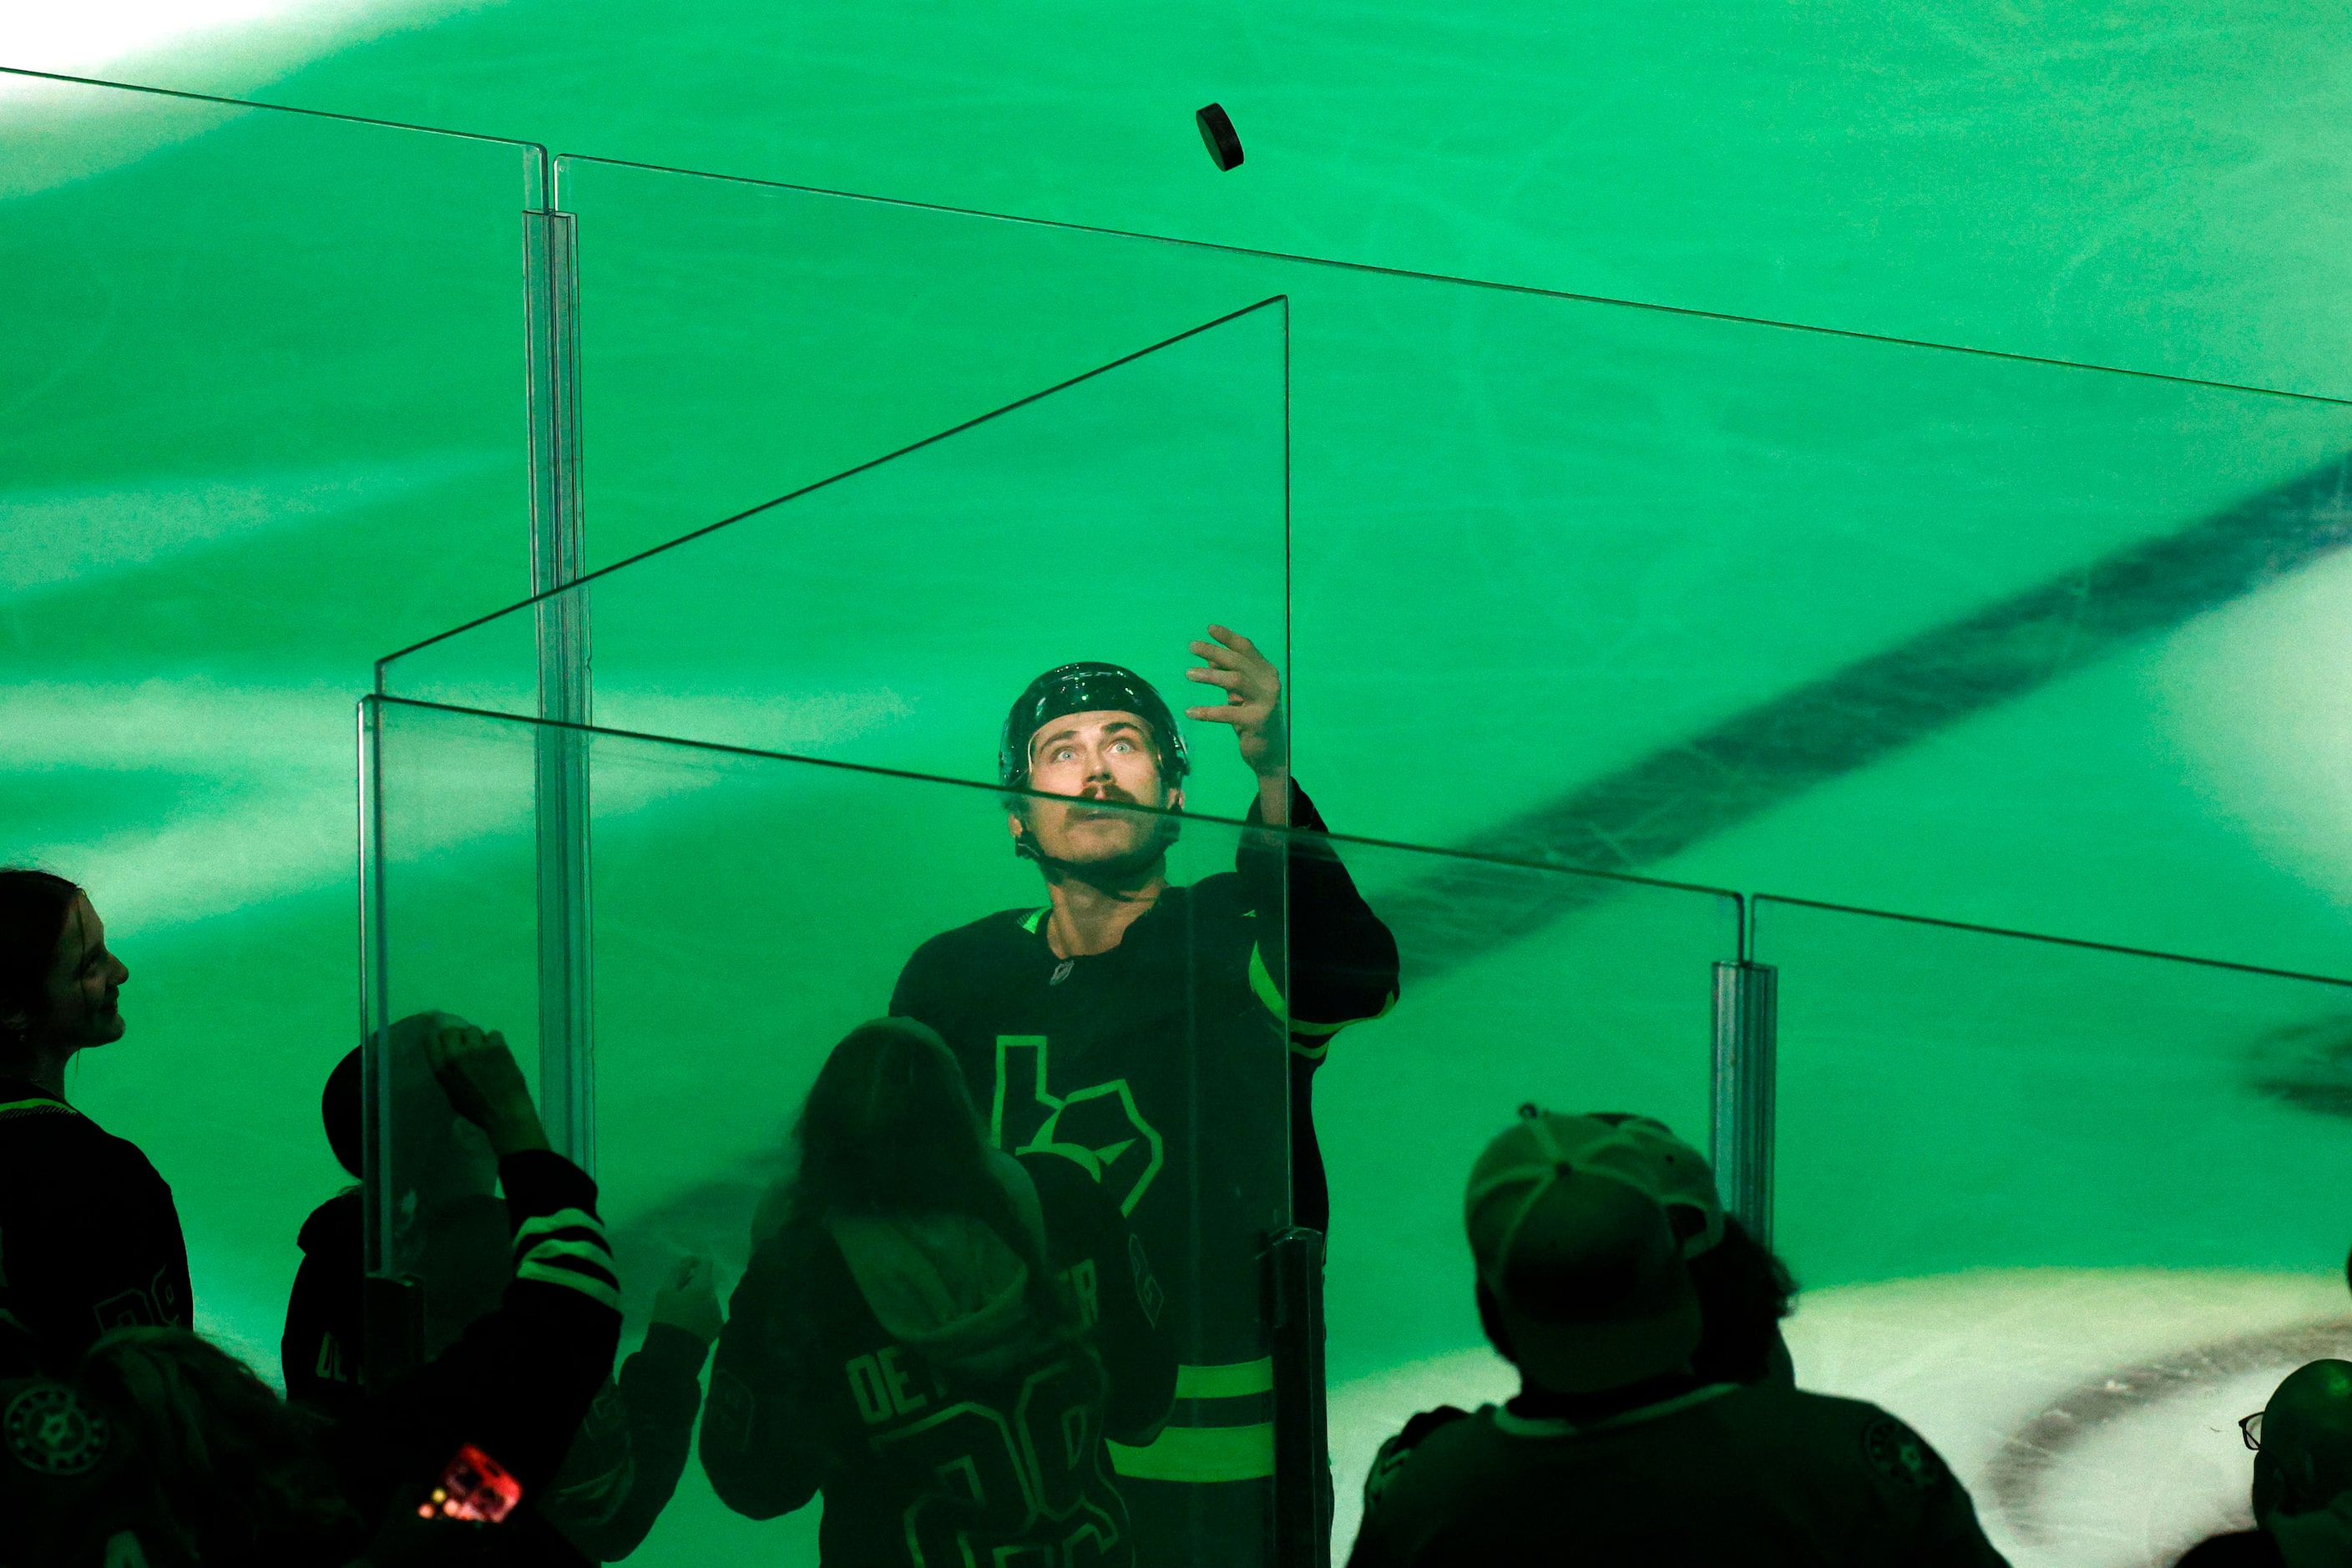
1087 689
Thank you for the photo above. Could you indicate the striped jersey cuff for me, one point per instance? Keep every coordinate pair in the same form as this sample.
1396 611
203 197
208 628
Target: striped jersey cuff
568 1249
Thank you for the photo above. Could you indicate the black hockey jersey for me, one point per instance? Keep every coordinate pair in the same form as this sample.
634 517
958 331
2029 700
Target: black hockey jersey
1177 1067
89 1239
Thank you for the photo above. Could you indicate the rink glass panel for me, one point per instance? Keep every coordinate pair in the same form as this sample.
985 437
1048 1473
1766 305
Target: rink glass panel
1610 529
891 614
265 419
2070 1211
748 912
749 909
1521 984
451 882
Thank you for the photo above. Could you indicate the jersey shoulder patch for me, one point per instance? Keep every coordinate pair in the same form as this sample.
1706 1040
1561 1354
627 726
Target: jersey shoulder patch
1901 1455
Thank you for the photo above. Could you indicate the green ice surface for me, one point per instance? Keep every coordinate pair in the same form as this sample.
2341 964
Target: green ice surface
2147 187
265 423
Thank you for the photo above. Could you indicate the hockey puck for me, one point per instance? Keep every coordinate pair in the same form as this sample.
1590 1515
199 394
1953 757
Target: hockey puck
1217 134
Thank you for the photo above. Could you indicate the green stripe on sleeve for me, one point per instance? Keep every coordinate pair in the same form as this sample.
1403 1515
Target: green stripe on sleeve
1227 1382
562 1220
570 1280
1262 982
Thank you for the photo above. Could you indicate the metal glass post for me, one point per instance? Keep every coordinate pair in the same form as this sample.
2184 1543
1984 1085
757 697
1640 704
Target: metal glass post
1302 1463
1747 1017
558 558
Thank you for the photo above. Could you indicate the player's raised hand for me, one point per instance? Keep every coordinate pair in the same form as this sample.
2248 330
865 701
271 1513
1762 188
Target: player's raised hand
1253 703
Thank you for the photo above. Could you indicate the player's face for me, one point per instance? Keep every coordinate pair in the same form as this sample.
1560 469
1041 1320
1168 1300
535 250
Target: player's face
84 982
1105 757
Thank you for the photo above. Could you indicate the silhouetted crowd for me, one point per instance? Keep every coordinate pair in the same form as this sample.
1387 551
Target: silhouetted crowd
1006 1308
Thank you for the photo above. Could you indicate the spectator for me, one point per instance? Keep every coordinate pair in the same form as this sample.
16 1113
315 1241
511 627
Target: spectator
320 1350
1744 1290
1614 1450
89 1239
624 1466
168 1441
938 1336
2303 1478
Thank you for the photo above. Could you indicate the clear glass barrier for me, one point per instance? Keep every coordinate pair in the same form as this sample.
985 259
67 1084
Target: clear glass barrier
750 911
264 419
1647 527
888 615
2072 1210
1521 983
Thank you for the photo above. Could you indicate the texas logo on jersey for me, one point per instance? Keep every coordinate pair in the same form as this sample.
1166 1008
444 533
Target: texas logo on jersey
1098 1126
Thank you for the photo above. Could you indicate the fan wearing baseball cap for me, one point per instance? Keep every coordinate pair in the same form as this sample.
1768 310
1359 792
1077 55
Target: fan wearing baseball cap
1580 1227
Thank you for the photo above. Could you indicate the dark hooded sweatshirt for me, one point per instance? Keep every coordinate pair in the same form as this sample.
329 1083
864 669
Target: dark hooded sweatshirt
901 1372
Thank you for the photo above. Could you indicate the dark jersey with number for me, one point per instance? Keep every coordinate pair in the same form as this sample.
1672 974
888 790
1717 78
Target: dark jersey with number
933 1457
89 1239
1757 1474
1176 1067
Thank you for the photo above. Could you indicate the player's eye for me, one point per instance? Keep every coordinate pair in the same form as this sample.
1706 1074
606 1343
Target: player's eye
1063 754
1122 745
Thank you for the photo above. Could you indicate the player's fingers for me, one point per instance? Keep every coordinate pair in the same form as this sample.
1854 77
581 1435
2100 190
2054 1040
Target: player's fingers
1232 638
1231 680
1217 654
1226 715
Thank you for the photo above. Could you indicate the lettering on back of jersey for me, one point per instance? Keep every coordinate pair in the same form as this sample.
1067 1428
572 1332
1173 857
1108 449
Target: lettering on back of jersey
1011 1486
1098 1125
883 1386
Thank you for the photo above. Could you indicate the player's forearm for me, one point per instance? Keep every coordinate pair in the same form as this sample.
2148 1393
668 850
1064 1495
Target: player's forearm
1274 798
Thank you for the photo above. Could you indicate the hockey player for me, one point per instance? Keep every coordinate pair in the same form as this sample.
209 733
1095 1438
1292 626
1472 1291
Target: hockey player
1140 1028
1614 1450
89 1239
937 1336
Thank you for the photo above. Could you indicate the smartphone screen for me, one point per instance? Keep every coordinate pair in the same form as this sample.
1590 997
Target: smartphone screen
473 1487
